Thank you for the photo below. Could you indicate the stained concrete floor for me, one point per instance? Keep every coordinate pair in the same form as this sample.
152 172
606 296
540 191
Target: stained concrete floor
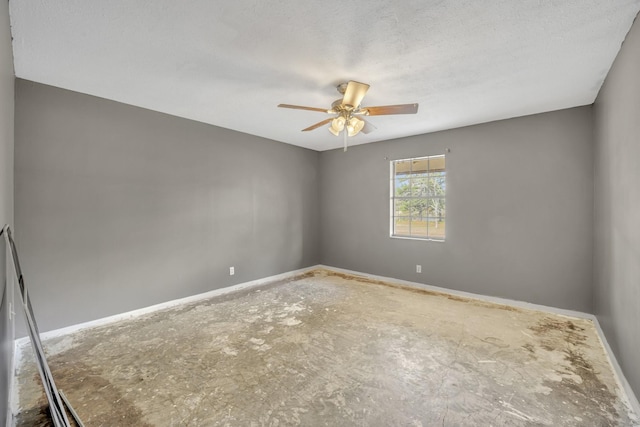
333 350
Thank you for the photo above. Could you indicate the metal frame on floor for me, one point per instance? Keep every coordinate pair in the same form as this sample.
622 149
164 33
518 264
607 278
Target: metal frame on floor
54 396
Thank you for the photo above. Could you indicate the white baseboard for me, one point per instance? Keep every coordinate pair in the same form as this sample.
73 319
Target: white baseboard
12 407
10 422
622 380
495 300
18 353
632 401
20 343
11 399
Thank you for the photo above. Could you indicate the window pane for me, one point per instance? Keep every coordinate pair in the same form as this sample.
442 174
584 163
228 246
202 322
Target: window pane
402 207
419 226
436 186
420 166
419 186
436 164
402 186
437 207
401 226
436 228
419 207
402 167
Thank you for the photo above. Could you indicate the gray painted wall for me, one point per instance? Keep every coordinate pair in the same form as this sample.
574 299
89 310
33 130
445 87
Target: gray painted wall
519 210
118 207
617 203
6 201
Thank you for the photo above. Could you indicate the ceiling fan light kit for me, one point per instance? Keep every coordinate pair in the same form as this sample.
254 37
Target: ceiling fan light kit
337 125
354 126
349 112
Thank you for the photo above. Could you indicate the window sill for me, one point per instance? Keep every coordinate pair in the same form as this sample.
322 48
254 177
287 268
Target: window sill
417 238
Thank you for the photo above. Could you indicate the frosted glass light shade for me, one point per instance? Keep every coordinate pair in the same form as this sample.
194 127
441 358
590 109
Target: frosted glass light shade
354 126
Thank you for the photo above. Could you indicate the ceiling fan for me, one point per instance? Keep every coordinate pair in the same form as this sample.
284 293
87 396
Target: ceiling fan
348 113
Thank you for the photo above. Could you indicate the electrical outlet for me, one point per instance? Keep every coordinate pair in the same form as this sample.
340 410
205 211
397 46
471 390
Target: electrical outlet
418 268
232 271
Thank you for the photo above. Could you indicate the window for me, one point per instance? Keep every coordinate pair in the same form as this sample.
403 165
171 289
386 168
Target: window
418 188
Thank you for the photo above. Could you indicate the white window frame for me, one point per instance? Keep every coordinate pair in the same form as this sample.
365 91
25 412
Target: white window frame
393 198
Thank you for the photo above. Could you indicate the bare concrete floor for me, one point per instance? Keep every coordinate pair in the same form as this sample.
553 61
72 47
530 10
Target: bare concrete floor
327 349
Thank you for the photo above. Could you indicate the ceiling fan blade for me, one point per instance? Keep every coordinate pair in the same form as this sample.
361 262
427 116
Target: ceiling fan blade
317 125
368 127
391 109
301 107
354 93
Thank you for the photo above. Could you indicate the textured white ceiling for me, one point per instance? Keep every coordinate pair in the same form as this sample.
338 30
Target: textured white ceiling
230 63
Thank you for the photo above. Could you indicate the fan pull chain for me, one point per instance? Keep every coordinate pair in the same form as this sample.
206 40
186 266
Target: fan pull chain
345 140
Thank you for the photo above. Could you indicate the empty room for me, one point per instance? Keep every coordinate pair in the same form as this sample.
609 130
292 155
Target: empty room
371 213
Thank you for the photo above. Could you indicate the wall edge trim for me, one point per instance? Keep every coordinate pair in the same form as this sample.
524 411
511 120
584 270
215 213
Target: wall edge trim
628 393
12 408
632 399
496 300
13 390
22 342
